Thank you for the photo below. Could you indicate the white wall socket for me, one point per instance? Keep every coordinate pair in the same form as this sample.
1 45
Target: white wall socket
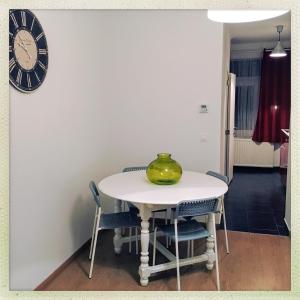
203 138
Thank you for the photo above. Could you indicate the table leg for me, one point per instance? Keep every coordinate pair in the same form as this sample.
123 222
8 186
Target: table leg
144 271
117 236
210 243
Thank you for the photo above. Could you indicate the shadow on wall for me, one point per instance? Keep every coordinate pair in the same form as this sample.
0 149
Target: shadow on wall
82 220
108 203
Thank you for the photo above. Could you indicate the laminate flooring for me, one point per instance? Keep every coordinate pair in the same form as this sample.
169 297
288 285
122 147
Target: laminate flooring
256 262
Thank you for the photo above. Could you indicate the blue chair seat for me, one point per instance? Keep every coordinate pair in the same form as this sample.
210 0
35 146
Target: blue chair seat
118 220
186 231
110 221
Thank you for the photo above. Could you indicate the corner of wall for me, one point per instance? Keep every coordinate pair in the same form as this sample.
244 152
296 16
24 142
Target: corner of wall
225 72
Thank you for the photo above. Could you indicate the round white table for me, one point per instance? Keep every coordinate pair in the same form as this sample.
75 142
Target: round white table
146 196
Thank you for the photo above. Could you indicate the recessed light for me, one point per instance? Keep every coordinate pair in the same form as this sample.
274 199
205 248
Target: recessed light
242 16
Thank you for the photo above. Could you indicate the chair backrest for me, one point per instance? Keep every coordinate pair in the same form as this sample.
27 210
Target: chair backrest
95 193
195 208
219 176
129 169
131 207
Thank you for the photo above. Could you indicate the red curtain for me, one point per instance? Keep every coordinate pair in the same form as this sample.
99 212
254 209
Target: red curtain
274 99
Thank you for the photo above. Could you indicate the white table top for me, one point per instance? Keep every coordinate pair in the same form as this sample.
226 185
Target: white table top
135 187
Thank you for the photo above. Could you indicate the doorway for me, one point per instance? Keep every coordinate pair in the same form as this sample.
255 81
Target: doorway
258 199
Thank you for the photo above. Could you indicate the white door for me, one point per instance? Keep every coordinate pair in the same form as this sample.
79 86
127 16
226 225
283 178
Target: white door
229 131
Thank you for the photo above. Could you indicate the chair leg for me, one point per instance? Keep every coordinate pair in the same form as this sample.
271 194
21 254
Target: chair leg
225 227
94 244
136 241
192 248
166 223
93 233
153 221
123 209
188 249
130 231
171 222
177 255
216 253
154 247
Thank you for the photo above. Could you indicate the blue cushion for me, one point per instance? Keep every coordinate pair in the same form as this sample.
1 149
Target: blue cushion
190 230
118 220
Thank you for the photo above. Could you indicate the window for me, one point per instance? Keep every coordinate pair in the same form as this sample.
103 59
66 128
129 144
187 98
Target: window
247 73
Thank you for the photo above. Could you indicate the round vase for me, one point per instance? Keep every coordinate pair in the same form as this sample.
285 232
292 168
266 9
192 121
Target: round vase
164 170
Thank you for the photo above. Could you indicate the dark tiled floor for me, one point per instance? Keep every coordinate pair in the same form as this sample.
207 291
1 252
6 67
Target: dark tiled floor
255 201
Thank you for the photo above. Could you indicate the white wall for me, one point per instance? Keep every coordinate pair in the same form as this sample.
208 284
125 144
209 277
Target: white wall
121 87
172 65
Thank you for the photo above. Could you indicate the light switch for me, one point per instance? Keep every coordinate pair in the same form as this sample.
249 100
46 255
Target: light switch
203 108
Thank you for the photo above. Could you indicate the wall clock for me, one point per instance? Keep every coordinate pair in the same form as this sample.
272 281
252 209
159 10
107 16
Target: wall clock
28 51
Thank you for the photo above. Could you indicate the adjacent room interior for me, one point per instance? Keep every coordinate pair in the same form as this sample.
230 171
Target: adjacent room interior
95 91
261 127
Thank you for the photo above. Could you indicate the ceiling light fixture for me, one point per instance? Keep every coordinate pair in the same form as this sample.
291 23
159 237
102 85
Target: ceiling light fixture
242 16
278 51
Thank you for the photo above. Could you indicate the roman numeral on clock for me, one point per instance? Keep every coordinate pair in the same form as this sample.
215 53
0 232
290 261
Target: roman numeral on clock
39 36
28 81
12 64
42 65
32 24
14 20
42 51
23 16
37 77
19 76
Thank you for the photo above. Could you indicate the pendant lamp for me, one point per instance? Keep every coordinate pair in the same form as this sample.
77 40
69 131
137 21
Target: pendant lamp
278 51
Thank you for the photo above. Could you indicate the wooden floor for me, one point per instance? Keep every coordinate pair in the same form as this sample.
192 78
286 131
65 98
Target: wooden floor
255 262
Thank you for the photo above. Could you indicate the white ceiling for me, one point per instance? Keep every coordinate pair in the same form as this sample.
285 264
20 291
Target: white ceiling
261 31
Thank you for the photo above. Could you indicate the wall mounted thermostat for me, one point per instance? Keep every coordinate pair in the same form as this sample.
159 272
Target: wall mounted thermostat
203 108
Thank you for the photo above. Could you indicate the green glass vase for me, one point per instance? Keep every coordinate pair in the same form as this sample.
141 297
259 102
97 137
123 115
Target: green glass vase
164 170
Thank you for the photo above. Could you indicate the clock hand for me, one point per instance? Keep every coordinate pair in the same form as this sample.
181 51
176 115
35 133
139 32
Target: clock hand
19 36
24 45
23 41
25 49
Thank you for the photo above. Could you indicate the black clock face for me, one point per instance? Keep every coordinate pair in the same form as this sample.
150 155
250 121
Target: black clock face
28 51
